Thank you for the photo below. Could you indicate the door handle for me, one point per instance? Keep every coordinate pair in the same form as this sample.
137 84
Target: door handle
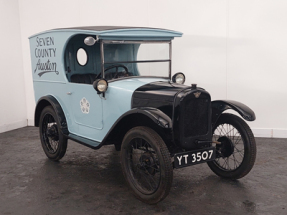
69 93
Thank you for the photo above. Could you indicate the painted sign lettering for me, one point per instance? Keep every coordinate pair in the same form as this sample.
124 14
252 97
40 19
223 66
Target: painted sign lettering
44 50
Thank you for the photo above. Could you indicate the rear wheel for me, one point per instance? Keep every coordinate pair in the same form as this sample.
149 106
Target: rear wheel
53 141
236 154
146 164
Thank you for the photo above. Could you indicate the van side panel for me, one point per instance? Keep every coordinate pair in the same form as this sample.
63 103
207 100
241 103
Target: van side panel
49 78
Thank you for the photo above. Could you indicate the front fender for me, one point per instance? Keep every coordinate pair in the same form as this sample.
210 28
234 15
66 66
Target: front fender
156 115
133 118
220 106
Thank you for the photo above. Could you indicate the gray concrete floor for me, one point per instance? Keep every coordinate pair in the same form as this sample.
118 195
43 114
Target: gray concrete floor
90 181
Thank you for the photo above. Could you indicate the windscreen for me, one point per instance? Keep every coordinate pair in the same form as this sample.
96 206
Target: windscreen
136 59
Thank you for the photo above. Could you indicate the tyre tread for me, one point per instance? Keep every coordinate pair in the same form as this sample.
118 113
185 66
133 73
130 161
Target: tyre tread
62 140
241 171
167 180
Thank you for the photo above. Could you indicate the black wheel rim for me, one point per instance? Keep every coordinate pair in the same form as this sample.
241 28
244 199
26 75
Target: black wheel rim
230 153
50 134
143 165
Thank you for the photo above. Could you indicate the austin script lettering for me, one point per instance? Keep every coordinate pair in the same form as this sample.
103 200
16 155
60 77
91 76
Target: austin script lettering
46 67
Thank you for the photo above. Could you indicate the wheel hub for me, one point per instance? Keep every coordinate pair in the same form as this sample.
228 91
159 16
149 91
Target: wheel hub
226 148
52 132
147 163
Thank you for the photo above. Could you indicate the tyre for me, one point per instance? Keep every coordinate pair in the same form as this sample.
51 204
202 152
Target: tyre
118 147
146 164
236 154
53 141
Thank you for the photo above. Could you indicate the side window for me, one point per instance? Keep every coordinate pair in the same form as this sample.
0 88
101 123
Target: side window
82 62
82 57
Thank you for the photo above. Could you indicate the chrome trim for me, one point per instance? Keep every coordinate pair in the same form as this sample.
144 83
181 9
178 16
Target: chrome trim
140 61
102 59
135 41
129 77
170 55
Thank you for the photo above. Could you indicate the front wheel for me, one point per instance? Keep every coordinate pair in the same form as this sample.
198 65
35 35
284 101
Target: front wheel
146 164
236 154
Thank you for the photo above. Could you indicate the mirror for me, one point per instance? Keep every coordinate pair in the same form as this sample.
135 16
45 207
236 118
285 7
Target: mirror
89 41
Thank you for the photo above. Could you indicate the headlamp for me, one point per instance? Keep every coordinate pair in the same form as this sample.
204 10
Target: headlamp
100 85
178 78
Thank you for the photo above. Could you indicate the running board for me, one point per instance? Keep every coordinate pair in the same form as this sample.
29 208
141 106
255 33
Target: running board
84 141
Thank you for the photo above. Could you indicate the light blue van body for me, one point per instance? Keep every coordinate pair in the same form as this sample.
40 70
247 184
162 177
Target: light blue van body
100 113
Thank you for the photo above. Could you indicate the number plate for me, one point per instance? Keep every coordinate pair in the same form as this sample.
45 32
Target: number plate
194 157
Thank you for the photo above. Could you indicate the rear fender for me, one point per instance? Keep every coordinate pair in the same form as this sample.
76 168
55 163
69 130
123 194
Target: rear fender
50 100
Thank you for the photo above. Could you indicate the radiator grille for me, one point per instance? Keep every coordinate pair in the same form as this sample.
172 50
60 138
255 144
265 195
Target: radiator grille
195 116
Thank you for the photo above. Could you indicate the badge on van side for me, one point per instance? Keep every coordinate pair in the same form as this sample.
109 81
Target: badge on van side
85 105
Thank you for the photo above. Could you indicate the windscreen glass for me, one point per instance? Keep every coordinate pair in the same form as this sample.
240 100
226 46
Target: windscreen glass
136 59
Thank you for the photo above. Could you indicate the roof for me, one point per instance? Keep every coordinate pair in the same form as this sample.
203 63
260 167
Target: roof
120 32
107 28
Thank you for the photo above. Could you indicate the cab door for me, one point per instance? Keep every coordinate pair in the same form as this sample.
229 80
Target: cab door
87 110
82 64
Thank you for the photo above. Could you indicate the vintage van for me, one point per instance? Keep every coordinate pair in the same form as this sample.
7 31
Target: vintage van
107 85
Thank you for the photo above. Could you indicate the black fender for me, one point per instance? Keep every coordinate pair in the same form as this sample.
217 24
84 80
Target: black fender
156 115
220 106
133 117
50 100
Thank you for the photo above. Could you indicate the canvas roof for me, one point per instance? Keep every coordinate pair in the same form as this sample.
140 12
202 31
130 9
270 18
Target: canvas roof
120 32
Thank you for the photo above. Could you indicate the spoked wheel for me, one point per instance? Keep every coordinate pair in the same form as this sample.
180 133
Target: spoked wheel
53 142
146 164
236 154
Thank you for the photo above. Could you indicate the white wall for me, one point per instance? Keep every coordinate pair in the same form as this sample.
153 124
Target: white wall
256 61
234 49
13 106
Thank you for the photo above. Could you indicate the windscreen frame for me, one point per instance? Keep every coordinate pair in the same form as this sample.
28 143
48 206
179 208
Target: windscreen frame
102 42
